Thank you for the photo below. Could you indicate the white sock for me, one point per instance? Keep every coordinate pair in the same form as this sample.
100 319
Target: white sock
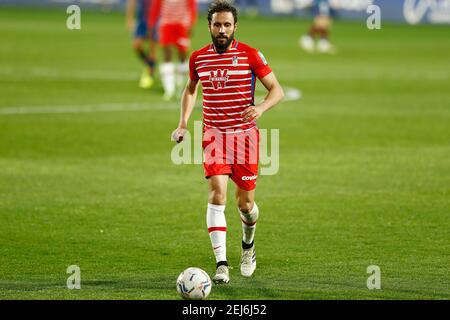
249 224
167 70
182 74
217 228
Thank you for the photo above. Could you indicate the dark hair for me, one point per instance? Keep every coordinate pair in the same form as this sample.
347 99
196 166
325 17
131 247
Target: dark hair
222 6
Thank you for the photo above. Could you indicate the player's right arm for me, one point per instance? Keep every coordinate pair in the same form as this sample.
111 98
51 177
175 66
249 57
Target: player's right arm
187 105
129 15
192 4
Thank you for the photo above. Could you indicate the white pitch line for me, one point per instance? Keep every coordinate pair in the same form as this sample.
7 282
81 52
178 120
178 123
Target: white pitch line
46 73
87 108
14 74
291 94
368 77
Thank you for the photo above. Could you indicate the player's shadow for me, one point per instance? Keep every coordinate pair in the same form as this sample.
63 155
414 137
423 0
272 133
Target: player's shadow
243 286
151 283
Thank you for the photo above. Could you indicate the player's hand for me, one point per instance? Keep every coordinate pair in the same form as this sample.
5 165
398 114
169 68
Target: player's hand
252 113
178 134
130 24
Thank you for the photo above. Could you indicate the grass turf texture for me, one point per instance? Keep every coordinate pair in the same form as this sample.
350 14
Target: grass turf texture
364 173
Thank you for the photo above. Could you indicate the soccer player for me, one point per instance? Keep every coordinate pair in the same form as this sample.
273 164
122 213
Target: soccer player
177 17
227 70
136 19
320 28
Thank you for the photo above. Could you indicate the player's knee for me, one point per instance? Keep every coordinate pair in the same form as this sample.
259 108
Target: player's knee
217 198
245 205
137 45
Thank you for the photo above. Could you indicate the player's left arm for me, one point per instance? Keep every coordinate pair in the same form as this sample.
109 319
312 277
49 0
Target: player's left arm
193 11
275 95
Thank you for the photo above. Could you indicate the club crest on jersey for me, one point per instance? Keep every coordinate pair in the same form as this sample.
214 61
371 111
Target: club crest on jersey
235 61
219 78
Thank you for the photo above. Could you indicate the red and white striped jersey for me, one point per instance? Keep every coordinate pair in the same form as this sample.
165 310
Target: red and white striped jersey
228 83
182 12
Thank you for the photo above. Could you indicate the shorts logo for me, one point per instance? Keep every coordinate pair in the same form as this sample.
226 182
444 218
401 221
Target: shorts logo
249 178
219 78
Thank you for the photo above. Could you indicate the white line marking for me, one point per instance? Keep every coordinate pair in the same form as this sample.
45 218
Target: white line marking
87 108
16 74
291 94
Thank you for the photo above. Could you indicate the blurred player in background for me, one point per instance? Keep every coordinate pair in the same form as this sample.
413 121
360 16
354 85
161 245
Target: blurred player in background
227 70
177 17
136 20
320 29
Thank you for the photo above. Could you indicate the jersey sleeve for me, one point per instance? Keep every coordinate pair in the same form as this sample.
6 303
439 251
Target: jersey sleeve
258 64
192 70
154 12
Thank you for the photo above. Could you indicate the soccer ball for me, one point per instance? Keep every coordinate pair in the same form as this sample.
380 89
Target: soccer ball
194 284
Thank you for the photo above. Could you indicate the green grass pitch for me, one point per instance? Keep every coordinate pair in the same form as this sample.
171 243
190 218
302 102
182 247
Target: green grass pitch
364 166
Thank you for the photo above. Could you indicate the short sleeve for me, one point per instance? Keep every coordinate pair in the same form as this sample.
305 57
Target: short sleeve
258 64
192 70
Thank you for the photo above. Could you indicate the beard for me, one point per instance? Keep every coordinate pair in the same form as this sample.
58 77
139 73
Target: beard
222 46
